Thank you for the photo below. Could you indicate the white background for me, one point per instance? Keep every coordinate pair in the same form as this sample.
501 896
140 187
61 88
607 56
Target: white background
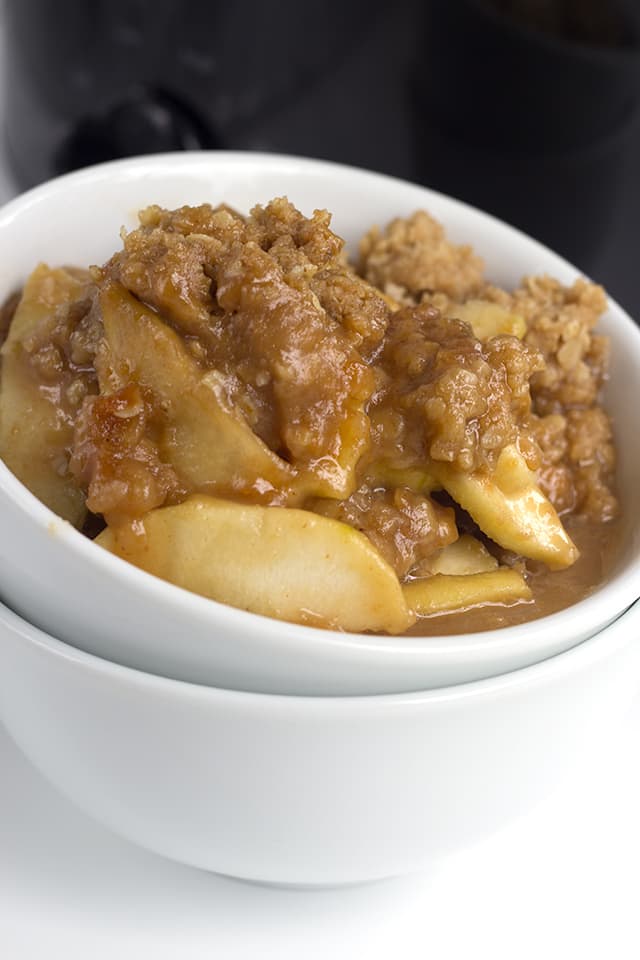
563 883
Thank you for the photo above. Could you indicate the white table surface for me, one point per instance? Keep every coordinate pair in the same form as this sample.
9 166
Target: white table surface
563 883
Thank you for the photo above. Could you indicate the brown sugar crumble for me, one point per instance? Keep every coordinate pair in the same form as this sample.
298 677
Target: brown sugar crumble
413 261
413 256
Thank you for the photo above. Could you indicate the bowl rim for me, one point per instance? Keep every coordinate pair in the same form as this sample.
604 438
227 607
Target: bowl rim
604 643
205 610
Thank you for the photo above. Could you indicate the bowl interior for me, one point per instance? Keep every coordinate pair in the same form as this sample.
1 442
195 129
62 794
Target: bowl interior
76 220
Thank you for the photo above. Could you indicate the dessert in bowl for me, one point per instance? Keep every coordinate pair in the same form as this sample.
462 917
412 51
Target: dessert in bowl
250 538
308 790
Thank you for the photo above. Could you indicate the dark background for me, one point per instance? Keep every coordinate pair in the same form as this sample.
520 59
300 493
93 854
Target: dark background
529 110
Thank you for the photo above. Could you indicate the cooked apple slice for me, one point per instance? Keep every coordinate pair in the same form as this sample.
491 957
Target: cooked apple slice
206 440
36 432
284 563
489 319
443 593
335 476
510 508
382 473
390 301
464 556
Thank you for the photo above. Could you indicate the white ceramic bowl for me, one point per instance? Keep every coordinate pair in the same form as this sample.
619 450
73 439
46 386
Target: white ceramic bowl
64 583
308 790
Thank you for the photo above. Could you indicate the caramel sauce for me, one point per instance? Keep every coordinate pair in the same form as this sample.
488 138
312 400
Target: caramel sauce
552 590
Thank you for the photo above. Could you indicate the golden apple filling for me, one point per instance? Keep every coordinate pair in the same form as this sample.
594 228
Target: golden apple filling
231 405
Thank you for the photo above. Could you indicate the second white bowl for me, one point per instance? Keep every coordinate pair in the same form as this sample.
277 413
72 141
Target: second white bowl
307 790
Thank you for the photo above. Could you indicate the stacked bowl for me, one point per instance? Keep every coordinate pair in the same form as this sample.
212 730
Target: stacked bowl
266 750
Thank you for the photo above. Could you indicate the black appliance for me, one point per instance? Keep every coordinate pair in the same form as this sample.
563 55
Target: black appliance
527 108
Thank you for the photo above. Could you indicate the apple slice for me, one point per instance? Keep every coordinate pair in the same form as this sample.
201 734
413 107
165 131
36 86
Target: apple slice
206 440
489 319
36 433
464 556
382 473
510 508
284 563
443 593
